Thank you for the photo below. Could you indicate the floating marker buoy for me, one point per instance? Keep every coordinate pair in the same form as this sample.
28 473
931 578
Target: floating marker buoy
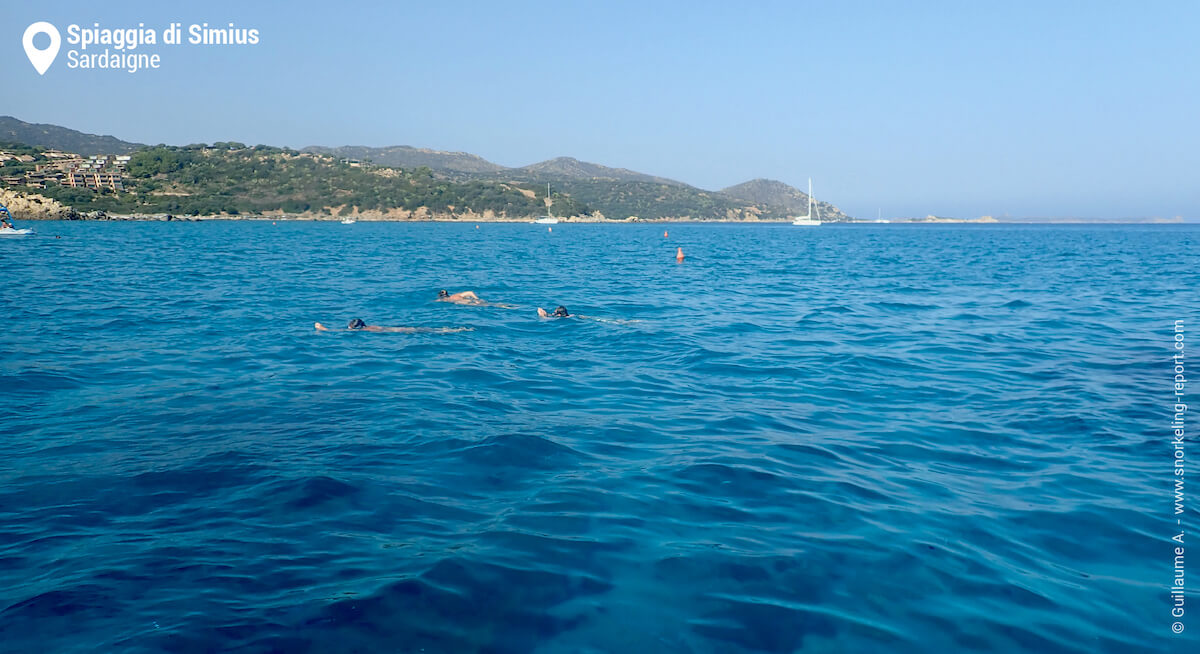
679 255
549 229
664 233
477 227
272 222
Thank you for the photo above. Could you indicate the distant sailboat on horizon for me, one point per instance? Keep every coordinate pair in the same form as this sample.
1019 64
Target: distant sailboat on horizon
808 220
547 219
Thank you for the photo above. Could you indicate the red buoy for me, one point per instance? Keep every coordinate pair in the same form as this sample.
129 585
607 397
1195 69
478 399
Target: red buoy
679 255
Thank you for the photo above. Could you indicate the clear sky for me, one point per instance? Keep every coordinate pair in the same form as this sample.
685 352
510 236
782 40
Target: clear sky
952 108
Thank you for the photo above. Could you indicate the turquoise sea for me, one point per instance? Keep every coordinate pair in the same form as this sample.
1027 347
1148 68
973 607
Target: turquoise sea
853 438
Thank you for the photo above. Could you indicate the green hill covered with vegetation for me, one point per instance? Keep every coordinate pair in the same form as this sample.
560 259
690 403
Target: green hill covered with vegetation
392 183
651 201
234 179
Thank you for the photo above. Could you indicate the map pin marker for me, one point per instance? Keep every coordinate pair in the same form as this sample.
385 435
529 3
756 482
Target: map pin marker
41 59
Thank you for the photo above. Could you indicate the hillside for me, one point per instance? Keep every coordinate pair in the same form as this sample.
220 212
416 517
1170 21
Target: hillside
778 194
208 180
404 182
570 168
653 201
403 156
61 138
234 179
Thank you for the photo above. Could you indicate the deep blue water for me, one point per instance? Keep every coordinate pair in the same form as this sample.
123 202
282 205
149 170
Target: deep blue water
844 439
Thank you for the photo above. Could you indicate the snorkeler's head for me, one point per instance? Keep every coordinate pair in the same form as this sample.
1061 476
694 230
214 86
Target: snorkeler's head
357 323
561 312
443 294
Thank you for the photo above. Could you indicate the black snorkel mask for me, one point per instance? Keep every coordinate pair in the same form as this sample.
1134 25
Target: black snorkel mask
561 312
442 294
357 323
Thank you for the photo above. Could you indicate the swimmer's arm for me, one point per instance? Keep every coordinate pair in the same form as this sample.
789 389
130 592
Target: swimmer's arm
419 330
369 328
476 302
542 313
617 321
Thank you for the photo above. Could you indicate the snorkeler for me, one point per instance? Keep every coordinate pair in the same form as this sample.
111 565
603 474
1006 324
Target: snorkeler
464 297
357 325
561 312
469 298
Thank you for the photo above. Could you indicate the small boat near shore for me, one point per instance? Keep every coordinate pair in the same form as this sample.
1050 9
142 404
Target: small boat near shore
7 228
348 221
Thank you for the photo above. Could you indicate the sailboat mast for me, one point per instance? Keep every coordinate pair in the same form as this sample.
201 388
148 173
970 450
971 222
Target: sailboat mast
812 205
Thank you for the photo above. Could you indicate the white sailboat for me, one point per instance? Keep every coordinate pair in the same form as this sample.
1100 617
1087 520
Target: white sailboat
809 220
547 219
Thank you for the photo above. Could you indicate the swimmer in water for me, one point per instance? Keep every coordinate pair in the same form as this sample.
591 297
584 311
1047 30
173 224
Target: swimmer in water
357 325
469 298
561 312
464 297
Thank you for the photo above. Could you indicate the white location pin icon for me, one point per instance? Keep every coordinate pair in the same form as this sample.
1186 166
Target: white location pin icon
41 59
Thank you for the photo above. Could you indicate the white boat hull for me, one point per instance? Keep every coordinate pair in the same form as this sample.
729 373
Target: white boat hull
15 232
806 223
546 221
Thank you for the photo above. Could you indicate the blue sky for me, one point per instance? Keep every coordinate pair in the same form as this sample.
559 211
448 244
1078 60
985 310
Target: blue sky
951 108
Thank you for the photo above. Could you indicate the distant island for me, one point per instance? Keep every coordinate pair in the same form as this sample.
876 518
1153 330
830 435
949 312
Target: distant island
47 171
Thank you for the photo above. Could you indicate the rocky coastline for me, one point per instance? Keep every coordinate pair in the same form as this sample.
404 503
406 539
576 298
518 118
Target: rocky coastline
29 206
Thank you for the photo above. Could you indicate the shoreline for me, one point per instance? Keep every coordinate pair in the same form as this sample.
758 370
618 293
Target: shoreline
575 220
422 219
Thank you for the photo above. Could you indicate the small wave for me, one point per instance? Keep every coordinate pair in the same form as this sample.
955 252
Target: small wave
901 306
311 492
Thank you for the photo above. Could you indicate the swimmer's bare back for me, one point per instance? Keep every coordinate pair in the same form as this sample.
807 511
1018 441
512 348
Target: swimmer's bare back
469 298
463 297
